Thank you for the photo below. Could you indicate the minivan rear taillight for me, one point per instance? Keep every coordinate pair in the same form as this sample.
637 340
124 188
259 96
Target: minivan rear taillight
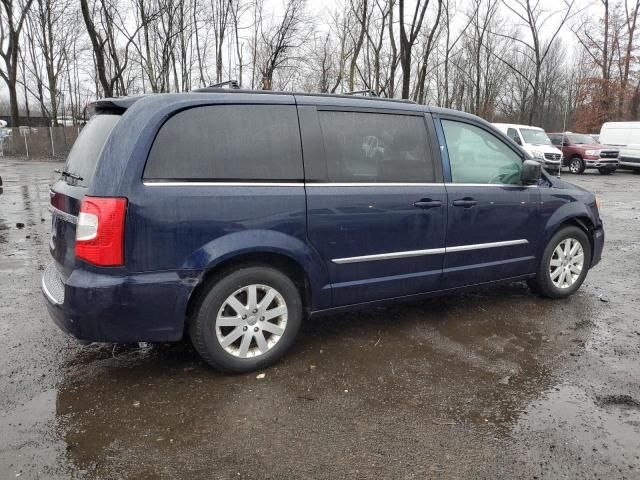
100 230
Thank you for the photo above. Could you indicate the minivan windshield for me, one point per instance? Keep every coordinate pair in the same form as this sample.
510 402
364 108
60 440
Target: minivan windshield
581 139
84 154
535 136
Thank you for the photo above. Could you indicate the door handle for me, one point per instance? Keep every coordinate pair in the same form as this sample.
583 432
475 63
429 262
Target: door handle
427 203
465 202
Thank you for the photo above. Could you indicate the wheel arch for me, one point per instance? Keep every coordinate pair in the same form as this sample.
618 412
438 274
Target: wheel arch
277 261
580 220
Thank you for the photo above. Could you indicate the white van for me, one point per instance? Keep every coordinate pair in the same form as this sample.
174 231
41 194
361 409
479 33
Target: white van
536 142
625 136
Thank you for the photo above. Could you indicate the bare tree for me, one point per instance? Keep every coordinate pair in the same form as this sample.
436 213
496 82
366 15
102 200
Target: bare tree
409 38
47 19
221 10
238 8
14 14
279 41
534 19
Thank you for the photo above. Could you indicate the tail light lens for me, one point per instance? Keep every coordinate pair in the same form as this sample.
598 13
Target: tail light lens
100 231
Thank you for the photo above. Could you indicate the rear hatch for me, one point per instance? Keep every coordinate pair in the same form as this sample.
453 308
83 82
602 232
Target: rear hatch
68 191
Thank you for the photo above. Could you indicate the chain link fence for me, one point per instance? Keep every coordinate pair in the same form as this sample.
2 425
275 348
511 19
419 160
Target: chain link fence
38 142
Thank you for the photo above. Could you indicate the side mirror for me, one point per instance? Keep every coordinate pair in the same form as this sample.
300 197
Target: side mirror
531 172
565 144
518 141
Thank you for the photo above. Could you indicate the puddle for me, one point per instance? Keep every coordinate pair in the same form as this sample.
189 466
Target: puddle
567 422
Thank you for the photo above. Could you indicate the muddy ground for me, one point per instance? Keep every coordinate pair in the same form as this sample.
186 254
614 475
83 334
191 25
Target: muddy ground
491 384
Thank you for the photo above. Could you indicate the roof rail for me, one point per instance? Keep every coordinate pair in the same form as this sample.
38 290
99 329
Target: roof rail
234 91
369 92
232 84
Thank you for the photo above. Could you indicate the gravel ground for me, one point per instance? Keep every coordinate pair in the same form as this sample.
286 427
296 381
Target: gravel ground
491 384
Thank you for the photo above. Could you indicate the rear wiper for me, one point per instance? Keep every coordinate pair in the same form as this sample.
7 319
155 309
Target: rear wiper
64 173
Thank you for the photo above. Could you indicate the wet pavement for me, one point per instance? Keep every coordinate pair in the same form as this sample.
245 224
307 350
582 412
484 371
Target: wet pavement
491 384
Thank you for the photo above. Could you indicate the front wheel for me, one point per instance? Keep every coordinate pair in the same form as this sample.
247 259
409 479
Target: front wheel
564 264
247 320
576 165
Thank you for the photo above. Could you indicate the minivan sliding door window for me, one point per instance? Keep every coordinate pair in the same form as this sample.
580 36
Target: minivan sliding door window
364 147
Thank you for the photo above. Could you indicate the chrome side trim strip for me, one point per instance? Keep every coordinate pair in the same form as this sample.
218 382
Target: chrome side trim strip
480 246
388 256
431 251
223 184
380 184
48 294
66 216
489 185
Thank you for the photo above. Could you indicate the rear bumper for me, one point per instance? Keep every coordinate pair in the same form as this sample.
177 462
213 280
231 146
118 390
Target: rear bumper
598 245
149 307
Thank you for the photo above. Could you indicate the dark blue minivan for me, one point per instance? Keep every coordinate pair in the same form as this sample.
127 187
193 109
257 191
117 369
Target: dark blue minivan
231 216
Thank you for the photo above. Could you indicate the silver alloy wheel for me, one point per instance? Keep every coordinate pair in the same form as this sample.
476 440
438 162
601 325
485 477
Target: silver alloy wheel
575 164
251 321
566 263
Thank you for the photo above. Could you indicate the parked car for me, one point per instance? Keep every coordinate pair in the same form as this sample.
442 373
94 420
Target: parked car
63 122
625 136
581 152
233 216
536 142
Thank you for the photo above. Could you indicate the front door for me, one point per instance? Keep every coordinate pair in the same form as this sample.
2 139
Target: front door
493 225
375 214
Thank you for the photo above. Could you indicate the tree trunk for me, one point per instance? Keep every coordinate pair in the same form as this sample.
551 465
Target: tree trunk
98 52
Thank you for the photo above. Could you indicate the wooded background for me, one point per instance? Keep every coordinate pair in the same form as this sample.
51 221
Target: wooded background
562 64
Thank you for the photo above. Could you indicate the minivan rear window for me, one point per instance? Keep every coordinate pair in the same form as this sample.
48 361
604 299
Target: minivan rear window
84 154
228 143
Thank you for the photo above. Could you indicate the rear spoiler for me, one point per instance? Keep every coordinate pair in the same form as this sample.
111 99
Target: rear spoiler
116 105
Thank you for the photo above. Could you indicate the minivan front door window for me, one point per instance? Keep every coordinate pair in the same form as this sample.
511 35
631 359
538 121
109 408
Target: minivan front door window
476 156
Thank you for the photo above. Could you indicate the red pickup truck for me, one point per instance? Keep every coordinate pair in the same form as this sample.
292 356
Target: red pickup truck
581 151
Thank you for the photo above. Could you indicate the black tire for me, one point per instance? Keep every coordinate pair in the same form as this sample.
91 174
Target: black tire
605 171
576 165
542 283
202 325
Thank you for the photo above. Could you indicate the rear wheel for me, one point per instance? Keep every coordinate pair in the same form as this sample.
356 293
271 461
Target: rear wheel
564 264
247 320
605 171
576 165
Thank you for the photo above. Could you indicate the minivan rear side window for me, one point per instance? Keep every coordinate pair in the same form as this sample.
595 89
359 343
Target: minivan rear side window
228 143
82 159
376 147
